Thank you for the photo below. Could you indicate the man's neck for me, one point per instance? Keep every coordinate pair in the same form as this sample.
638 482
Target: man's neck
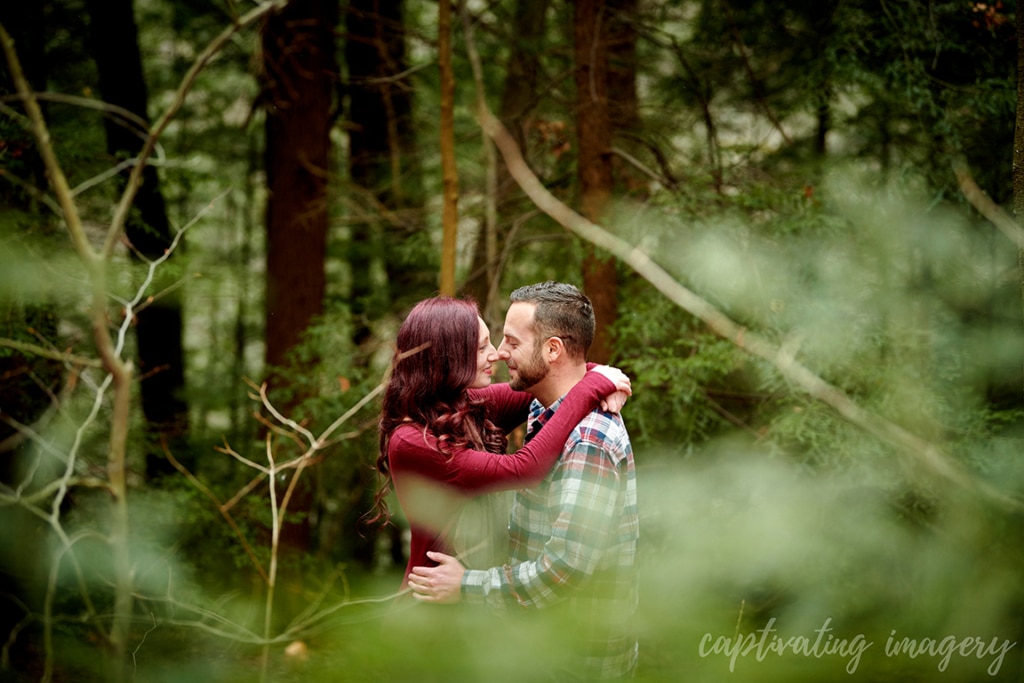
558 383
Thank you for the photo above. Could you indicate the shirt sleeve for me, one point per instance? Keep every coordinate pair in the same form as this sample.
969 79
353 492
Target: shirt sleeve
505 407
585 491
476 472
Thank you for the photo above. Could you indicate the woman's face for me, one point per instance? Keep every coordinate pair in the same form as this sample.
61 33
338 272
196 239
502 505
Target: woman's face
486 356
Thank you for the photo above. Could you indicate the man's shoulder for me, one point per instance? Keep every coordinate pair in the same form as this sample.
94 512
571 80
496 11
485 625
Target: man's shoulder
604 430
603 421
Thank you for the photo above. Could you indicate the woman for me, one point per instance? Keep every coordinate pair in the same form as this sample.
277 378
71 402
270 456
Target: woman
443 433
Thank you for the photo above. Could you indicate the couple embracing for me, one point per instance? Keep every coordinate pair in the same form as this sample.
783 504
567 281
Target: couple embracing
568 544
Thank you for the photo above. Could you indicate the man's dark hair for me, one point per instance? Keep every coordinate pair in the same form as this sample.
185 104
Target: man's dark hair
562 311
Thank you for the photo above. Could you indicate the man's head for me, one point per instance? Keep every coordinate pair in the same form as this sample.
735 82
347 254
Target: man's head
548 330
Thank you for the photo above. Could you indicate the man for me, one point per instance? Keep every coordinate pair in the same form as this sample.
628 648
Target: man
573 538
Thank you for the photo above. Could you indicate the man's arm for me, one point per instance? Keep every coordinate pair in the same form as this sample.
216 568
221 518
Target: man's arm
588 498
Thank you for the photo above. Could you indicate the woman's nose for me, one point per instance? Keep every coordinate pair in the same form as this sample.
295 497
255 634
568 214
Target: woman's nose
492 355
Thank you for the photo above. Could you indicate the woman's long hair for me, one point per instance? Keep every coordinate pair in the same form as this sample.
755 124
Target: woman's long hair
434 363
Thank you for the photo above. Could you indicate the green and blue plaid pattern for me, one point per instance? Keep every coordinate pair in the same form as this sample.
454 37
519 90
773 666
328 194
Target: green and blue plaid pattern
573 543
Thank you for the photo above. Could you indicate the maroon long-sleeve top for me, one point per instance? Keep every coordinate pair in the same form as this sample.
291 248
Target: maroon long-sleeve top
431 485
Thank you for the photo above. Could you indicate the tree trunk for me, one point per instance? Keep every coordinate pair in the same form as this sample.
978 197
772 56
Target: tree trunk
299 78
594 142
624 106
299 73
518 97
158 330
623 103
449 173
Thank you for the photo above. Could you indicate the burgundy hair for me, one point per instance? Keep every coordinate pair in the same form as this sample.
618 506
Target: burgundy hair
434 363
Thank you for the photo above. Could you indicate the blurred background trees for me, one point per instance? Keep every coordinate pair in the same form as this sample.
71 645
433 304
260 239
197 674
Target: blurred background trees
791 163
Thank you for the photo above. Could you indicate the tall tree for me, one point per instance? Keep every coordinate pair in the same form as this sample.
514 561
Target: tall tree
594 144
517 100
299 74
449 172
158 330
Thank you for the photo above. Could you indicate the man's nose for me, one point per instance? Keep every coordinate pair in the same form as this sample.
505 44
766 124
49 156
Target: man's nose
503 353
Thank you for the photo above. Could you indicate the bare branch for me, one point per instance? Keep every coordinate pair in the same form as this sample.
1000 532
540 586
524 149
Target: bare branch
917 453
53 170
33 192
980 200
245 490
42 494
242 459
52 354
124 116
205 490
282 419
135 178
639 165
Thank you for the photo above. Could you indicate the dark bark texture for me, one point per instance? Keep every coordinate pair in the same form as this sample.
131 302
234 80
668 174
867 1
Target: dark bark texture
593 134
299 77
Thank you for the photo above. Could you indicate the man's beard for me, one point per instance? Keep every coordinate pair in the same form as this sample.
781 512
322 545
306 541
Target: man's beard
530 374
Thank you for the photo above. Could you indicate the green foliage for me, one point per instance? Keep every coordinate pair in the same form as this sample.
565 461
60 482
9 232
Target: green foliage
676 367
759 502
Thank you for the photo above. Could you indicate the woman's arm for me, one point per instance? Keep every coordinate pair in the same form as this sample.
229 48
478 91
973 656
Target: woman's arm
508 408
504 406
475 472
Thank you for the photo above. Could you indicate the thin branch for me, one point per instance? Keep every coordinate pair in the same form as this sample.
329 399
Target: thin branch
102 177
322 439
135 178
50 489
121 114
43 352
54 171
242 459
491 165
980 200
245 490
637 164
916 451
33 192
205 490
282 419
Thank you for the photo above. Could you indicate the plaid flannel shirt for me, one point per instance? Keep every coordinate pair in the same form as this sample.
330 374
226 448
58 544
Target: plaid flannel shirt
573 542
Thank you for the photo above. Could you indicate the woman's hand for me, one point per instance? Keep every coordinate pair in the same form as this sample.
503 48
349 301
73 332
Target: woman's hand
442 583
614 401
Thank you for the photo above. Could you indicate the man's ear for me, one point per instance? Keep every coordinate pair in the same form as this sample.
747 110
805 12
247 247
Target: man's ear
554 348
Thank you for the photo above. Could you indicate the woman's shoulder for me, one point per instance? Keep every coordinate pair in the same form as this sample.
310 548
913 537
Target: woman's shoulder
411 448
406 433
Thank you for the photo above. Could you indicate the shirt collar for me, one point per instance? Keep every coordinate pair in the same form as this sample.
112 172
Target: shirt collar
539 415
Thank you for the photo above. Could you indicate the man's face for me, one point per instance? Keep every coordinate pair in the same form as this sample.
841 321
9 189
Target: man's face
520 348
